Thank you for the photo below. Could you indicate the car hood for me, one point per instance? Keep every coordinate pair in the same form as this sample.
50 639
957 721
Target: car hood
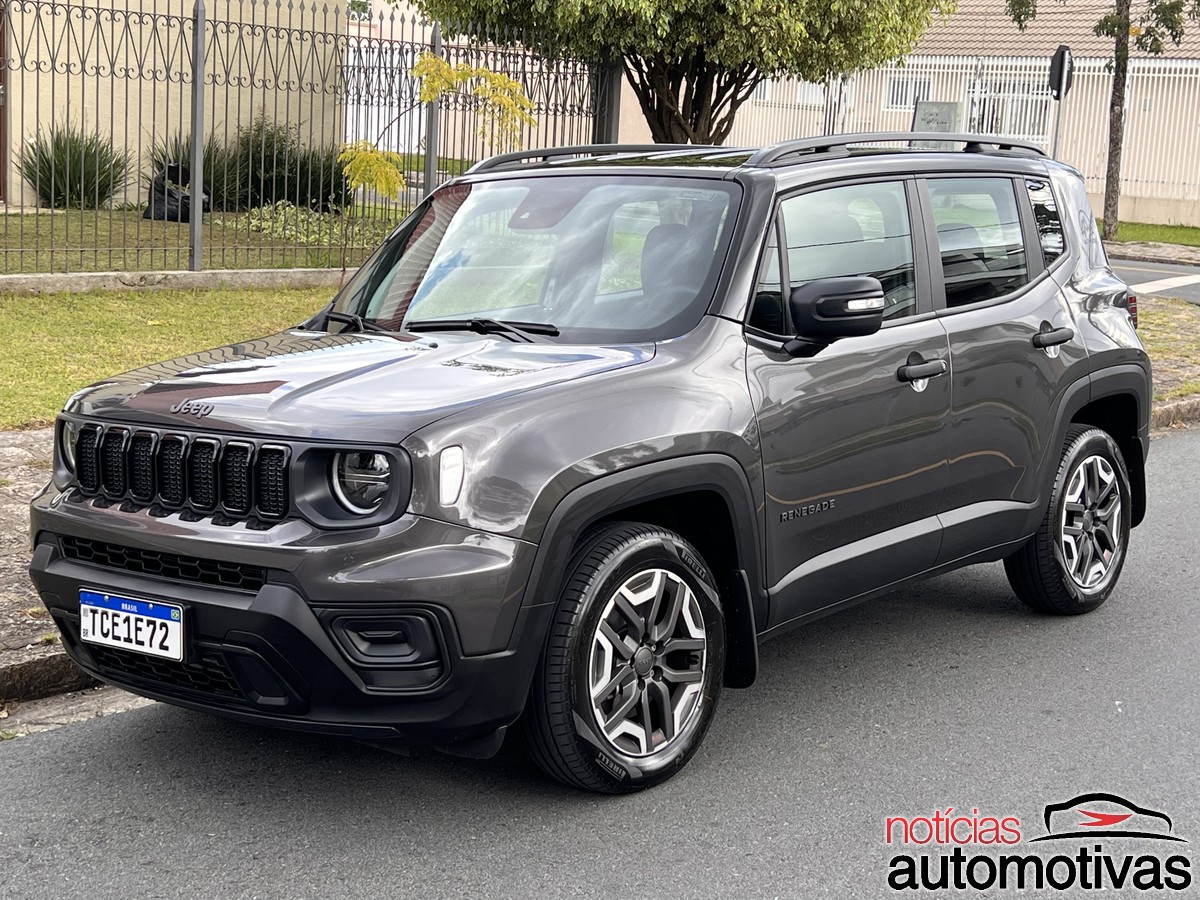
318 386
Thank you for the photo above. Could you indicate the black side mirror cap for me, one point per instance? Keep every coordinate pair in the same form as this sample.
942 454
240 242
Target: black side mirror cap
831 308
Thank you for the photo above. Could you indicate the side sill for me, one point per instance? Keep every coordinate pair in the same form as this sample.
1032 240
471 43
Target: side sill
991 554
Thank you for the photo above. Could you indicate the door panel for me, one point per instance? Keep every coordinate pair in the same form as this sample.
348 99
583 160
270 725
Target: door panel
1005 393
853 456
849 453
1005 390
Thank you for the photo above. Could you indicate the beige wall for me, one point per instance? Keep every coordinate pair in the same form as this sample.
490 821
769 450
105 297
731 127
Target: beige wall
133 83
632 124
1151 210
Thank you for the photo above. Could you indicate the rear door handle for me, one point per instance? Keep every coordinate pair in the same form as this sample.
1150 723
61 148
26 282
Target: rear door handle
915 371
1053 337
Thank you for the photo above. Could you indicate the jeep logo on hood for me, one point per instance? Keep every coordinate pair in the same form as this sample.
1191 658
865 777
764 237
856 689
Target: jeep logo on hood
192 408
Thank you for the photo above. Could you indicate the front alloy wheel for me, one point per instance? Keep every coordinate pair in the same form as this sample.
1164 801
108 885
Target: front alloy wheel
646 672
633 663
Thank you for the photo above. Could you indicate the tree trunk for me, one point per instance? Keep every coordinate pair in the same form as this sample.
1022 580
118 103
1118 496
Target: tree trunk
689 100
1116 120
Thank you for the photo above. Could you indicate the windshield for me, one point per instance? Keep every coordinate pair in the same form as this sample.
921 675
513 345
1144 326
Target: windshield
600 260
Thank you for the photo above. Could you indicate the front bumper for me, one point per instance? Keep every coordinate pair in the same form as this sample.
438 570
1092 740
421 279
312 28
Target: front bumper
272 650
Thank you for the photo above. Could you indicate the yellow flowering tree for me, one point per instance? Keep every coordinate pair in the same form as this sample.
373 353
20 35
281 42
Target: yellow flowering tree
504 111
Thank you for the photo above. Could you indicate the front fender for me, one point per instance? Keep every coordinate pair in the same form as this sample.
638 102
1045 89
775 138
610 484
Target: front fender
743 593
605 497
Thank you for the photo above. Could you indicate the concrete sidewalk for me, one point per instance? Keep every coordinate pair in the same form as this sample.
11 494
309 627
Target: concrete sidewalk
32 664
1176 254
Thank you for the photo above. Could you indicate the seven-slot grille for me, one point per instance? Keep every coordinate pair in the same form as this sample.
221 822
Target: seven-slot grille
177 471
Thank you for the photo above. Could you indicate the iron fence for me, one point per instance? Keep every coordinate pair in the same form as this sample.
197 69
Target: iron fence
101 101
1010 96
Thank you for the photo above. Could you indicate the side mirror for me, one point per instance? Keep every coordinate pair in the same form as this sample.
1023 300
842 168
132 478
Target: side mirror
831 308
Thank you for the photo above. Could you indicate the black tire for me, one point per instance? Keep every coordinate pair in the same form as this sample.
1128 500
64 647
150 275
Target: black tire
1044 573
562 726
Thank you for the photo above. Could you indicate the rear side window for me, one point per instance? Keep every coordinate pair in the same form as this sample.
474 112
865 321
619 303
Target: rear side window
979 238
858 229
1078 218
1049 225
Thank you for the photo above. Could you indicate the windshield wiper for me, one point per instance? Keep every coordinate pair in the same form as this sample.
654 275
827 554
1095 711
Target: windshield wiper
521 332
357 322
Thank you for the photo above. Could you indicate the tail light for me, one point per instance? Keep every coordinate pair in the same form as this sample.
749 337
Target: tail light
1132 304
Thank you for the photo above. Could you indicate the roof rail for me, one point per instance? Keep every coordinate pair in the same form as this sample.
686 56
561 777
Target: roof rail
506 159
840 143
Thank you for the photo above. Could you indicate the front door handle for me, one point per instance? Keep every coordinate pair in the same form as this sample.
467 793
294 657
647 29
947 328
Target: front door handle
1052 337
917 370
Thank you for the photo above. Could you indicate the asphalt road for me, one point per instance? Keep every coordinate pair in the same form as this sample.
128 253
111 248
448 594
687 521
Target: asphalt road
1160 279
944 694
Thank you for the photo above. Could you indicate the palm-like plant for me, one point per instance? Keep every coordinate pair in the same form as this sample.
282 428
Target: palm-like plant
68 168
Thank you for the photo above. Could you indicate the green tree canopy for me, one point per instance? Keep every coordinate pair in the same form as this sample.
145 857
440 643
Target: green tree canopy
1150 23
693 63
1157 21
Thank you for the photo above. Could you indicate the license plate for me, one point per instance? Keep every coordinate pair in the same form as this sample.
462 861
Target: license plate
145 626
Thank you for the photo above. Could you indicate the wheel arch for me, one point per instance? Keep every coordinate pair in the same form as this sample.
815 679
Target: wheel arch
707 500
1119 404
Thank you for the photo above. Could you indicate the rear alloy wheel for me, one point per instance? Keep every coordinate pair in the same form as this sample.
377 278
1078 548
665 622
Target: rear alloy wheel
1090 525
633 663
1072 564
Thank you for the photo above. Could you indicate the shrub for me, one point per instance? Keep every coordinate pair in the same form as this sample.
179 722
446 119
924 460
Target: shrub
320 182
263 154
68 168
262 164
279 168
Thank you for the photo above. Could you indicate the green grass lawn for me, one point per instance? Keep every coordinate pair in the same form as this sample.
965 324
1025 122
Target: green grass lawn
1161 234
122 241
452 166
1170 329
54 344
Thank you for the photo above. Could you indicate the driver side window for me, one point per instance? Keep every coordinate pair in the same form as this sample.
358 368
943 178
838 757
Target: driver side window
858 229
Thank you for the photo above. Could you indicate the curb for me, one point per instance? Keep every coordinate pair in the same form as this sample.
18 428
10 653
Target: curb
44 675
1178 412
1147 257
51 672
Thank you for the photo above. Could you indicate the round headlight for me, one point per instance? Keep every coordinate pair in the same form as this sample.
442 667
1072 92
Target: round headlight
361 480
67 437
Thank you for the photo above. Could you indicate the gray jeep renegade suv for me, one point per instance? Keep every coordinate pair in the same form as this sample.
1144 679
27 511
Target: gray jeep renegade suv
593 423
